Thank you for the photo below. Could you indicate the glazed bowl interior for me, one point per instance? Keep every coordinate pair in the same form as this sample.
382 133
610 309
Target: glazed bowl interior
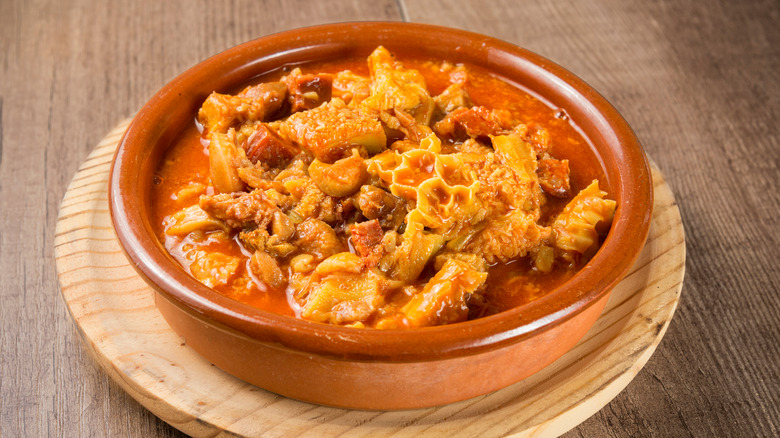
166 115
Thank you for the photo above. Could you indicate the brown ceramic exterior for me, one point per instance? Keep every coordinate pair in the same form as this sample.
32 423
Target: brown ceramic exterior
363 368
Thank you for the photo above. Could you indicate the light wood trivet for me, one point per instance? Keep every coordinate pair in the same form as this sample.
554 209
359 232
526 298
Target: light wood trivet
115 313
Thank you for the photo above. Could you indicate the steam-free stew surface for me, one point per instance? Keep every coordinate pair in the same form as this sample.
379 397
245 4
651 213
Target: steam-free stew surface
379 193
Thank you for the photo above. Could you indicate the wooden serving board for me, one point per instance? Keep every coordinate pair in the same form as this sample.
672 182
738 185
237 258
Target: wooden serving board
115 314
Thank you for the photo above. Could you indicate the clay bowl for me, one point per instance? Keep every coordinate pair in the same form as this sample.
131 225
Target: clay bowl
364 368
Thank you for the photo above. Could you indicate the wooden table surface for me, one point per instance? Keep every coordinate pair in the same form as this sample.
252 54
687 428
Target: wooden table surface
698 81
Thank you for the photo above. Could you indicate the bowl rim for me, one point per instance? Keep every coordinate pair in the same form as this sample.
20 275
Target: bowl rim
130 218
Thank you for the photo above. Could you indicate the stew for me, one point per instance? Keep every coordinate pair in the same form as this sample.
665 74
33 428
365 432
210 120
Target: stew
380 193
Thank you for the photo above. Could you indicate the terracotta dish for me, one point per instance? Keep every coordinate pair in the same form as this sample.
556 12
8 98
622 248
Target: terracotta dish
368 368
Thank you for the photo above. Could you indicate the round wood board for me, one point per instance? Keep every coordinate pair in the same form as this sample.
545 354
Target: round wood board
114 310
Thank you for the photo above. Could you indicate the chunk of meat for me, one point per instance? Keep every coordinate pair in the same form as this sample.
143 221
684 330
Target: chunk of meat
311 202
554 177
267 270
340 179
453 97
301 264
317 238
367 240
536 135
395 87
343 297
240 210
256 177
307 91
341 263
351 88
347 312
266 146
214 268
500 189
408 125
474 122
276 242
254 239
282 226
517 155
259 239
508 237
444 300
295 169
376 203
225 158
416 250
190 219
331 130
259 103
272 94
